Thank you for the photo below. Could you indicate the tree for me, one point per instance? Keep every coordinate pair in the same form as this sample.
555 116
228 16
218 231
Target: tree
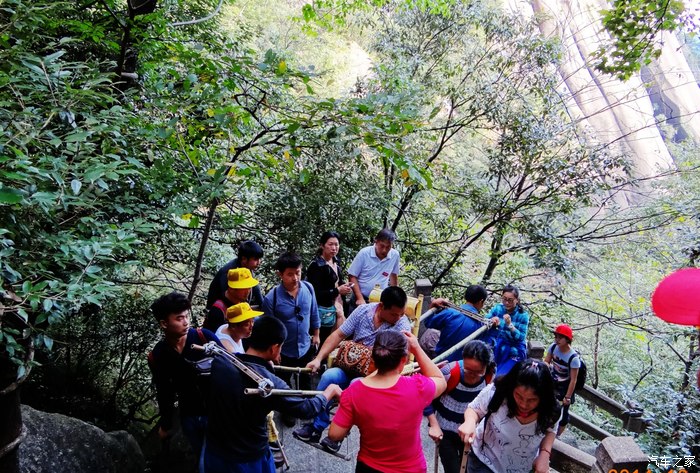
69 187
635 28
500 158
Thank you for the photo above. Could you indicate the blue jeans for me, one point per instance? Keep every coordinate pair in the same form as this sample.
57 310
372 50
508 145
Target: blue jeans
331 376
212 463
194 429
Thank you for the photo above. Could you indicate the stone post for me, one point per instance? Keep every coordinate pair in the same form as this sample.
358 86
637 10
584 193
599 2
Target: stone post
535 349
618 453
425 287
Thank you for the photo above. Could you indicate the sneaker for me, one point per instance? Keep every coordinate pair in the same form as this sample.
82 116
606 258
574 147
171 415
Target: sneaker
331 445
307 433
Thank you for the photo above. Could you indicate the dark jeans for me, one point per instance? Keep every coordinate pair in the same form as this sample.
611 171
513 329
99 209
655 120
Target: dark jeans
476 466
362 468
451 448
194 429
560 392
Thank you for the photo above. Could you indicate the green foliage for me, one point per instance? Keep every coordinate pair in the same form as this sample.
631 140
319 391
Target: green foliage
329 13
332 191
634 27
505 162
99 357
459 139
69 183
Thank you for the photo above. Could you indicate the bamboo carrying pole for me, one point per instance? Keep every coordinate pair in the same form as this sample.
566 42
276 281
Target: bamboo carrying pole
468 339
413 367
465 459
293 369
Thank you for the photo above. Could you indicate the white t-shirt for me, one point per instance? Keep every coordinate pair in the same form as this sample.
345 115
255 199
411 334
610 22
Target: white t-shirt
370 270
237 347
507 446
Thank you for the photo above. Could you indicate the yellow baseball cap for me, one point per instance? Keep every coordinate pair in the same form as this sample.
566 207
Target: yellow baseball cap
241 278
240 312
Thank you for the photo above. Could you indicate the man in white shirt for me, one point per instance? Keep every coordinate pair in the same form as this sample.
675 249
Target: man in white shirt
374 265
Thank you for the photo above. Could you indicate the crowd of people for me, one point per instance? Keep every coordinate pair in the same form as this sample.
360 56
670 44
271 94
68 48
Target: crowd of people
488 399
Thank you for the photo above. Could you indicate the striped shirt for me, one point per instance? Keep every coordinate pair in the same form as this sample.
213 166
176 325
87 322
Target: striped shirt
450 407
360 325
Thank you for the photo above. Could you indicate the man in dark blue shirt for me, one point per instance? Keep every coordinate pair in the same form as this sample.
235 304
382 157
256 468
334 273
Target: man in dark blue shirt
455 326
237 439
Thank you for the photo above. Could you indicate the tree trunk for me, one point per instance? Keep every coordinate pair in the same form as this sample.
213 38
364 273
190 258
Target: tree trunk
495 253
10 417
203 246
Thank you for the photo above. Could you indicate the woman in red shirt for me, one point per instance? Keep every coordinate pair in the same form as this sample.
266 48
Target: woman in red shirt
388 408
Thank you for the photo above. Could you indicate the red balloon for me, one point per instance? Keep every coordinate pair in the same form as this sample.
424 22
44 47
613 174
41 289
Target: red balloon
675 299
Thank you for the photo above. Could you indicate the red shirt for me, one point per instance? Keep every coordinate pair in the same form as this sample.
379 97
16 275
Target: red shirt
389 420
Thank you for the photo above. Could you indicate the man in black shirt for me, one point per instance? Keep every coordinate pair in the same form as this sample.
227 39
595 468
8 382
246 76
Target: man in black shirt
249 256
176 369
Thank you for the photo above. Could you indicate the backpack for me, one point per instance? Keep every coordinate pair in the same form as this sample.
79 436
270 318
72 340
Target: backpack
582 371
219 304
457 373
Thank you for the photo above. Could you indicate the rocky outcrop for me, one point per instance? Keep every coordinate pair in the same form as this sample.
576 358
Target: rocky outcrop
55 443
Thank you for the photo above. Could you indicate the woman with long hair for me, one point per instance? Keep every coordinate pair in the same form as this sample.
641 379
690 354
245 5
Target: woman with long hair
511 425
388 408
325 274
512 330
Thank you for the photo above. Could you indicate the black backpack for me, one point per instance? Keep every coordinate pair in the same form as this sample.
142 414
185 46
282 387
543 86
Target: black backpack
582 371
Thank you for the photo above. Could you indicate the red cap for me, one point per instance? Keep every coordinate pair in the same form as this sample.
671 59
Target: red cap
565 330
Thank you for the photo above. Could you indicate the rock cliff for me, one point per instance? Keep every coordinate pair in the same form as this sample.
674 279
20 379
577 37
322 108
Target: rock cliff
626 116
55 443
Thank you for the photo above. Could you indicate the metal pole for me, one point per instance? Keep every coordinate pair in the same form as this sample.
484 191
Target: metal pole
281 392
427 314
293 369
211 348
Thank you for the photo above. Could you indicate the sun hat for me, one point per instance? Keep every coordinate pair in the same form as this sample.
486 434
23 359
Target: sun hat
241 312
241 278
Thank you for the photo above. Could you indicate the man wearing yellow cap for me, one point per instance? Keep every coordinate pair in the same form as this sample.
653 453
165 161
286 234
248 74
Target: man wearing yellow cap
240 284
249 256
240 325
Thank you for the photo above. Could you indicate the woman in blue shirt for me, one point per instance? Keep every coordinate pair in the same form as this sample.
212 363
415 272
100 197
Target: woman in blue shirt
513 323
